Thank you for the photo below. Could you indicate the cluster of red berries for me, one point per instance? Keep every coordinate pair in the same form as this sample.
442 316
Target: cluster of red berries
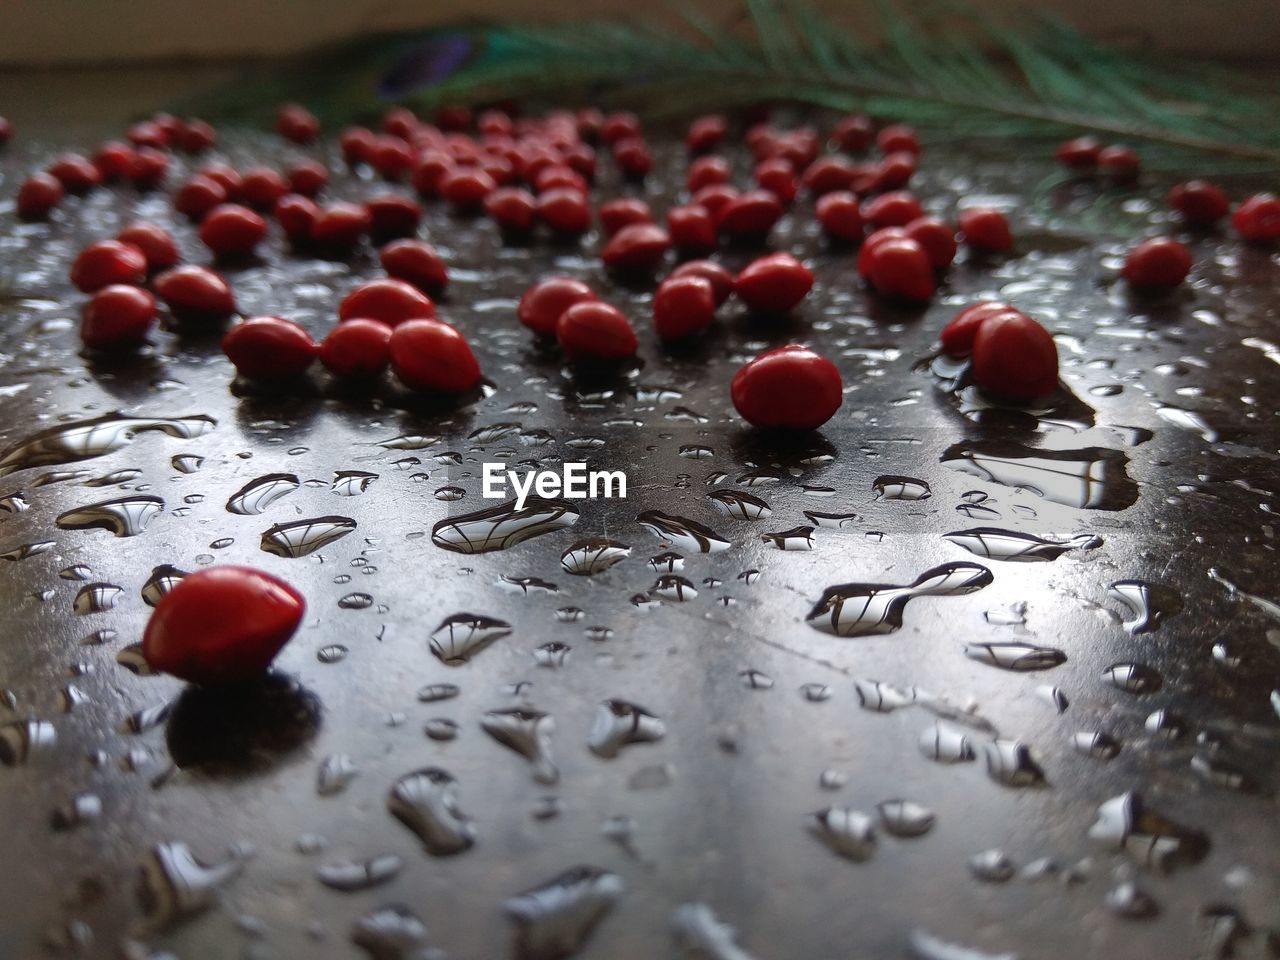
1085 155
1011 355
1203 204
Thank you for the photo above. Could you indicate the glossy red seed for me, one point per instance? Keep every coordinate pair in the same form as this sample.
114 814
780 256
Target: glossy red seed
555 175
513 209
392 216
465 188
639 247
778 177
958 335
148 133
261 187
1258 219
1080 154
985 230
114 160
431 355
195 293
494 121
592 330
231 230
773 284
148 167
828 174
453 117
117 317
269 348
633 158
937 238
853 133
893 172
307 177
619 126
898 137
706 172
221 624
790 388
106 262
415 262
224 175
720 278
6 130
357 144
623 212
196 136
400 122
867 251
357 348
706 133
683 306
1157 264
565 210
392 158
1014 357
899 267
714 197
1199 202
198 196
297 215
840 215
894 209
156 244
543 303
39 194
1120 163
749 217
77 174
341 226
297 124
388 300
692 229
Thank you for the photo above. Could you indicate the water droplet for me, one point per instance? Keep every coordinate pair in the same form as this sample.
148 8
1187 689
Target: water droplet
21 741
301 537
356 601
86 439
503 526
797 538
1148 604
740 505
554 919
332 653
425 801
126 517
255 496
163 579
904 818
594 555
701 936
683 532
1133 678
849 833
944 743
1010 762
1093 478
435 692
619 723
1125 824
900 488
390 933
528 733
27 550
336 771
1021 547
463 635
991 866
865 609
1015 656
173 884
352 875
351 483
96 598
1097 744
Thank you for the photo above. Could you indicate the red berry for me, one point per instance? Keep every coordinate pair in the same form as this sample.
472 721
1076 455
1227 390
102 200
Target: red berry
894 209
790 388
900 267
297 216
431 355
392 216
937 238
714 197
198 196
432 167
466 187
513 209
898 138
543 303
195 293
106 262
618 126
261 187
307 177
357 348
750 216
221 625
637 248
114 160
592 330
957 336
565 210
692 229
1157 264
388 300
117 316
196 136
559 175
148 167
148 133
39 194
400 122
340 226
828 174
720 278
774 284
297 123
454 117
75 173
156 244
893 172
6 131
778 177
623 212
1120 163
392 157
853 133
1014 357
1080 154
985 230
357 144
415 262
224 175
705 133
1200 203
494 121
230 230
683 306
633 158
269 348
1258 219
868 250
706 172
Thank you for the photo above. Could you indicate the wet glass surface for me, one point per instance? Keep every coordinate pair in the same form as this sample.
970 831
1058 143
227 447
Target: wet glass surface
940 678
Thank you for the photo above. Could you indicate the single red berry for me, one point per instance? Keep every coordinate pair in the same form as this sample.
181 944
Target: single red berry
77 174
106 262
958 335
937 238
297 124
893 172
340 226
900 267
637 248
494 121
195 293
623 212
790 388
840 215
896 138
221 625
392 216
196 136
683 306
985 230
117 316
388 300
867 251
633 158
565 210
357 348
453 117
114 160
720 278
156 244
592 330
543 303
198 196
392 158
773 284
1199 202
465 188
706 172
148 167
148 133
619 126
261 187
415 262
705 133
513 209
357 145
778 177
828 174
231 230
750 217
1014 357
6 131
1079 155
39 194
297 217
269 348
581 158
171 125
692 229
224 175
714 197
431 355
853 133
400 122
588 121
1157 265
429 172
1120 163
559 175
1257 220
894 209
307 177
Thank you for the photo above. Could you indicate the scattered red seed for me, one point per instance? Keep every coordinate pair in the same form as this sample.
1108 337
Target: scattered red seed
114 160
867 252
431 355
357 144
261 187
513 209
853 134
297 124
231 230
937 238
683 306
297 216
117 316
107 262
465 188
392 157
623 212
894 209
1014 357
1120 163
39 194
76 173
637 248
706 172
559 175
1079 155
156 244
1199 202
195 293
592 330
196 136
269 348
714 197
749 217
721 279
148 133
893 172
692 229
985 230
221 625
828 174
149 167
898 138
307 177
1157 265
899 267
388 300
633 158
957 336
705 133
619 126
198 196
341 226
6 131
392 217
790 388
543 303
774 284
565 210
225 175
1258 219
415 262
357 348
